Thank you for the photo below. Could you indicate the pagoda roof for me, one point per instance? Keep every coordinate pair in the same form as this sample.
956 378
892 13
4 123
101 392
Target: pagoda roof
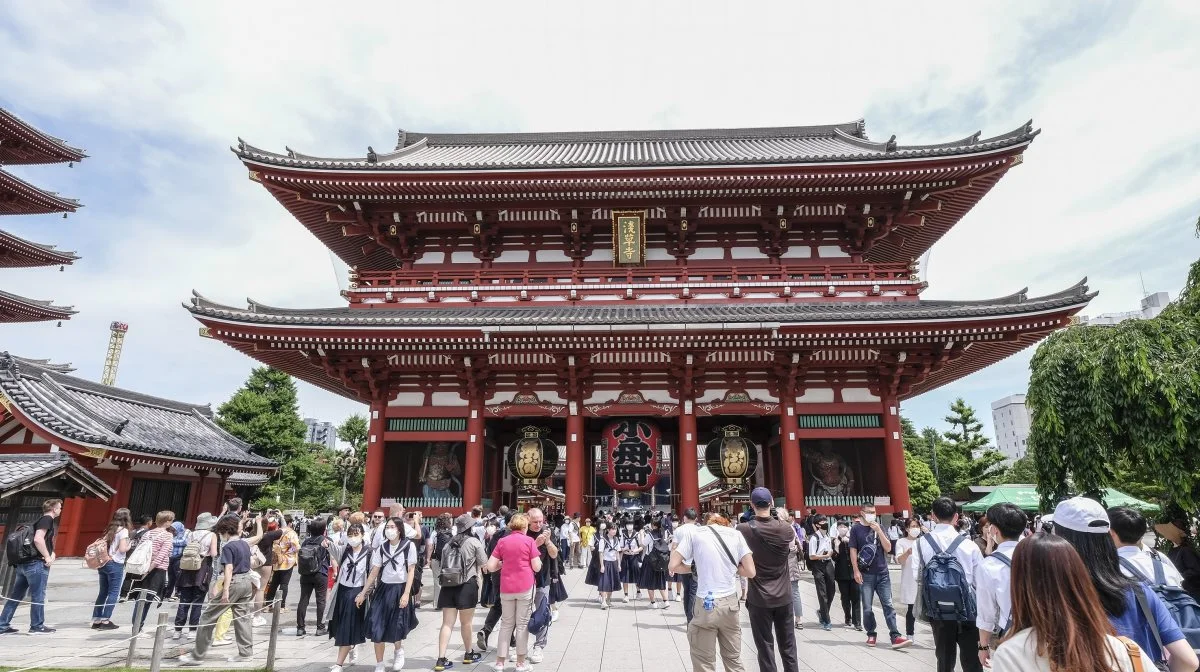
15 308
247 478
16 252
22 143
700 316
25 471
18 197
91 415
785 145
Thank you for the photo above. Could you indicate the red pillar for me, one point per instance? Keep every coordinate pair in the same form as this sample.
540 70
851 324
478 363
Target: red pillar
119 499
473 467
575 462
789 449
373 470
70 522
893 450
688 476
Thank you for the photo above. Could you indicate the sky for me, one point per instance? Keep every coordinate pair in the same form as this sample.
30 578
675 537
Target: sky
158 92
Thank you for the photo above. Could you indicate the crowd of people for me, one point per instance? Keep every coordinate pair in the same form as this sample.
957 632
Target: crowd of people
1078 590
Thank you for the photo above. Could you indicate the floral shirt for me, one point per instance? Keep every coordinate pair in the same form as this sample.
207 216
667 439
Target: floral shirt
286 550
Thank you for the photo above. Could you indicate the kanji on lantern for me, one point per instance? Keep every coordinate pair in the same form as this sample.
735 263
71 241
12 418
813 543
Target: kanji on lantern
631 450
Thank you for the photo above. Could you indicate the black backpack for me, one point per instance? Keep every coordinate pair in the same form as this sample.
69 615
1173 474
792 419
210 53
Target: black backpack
439 544
660 553
19 548
309 559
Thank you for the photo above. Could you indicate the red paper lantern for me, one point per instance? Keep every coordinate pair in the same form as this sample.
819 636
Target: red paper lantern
631 450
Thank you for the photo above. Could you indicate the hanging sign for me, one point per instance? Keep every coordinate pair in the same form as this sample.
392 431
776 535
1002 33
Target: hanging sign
629 237
631 450
533 457
731 455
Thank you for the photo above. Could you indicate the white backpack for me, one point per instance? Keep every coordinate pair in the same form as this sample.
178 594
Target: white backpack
140 558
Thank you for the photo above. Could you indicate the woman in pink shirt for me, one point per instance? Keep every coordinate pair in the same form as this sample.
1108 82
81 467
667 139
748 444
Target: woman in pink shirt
517 558
155 581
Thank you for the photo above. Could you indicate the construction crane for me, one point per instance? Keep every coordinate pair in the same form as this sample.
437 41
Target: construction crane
116 339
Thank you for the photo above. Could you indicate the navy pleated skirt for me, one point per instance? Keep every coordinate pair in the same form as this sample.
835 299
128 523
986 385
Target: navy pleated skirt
610 580
386 621
592 577
349 624
631 569
652 579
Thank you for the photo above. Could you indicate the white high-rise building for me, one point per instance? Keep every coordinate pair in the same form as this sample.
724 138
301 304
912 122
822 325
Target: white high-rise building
321 433
1010 420
1152 305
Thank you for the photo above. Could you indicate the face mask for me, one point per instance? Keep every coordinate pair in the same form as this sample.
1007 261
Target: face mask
391 534
868 517
914 533
843 531
629 528
490 529
354 542
824 526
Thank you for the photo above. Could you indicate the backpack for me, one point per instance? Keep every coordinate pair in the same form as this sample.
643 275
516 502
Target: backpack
660 554
866 554
192 558
454 565
947 594
96 555
1007 563
539 619
140 558
1183 608
18 548
308 561
439 544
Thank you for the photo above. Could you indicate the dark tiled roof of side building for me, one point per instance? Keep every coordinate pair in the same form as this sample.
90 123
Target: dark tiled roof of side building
23 470
95 415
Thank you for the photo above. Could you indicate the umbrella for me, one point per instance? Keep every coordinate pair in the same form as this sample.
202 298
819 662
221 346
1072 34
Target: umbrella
1024 496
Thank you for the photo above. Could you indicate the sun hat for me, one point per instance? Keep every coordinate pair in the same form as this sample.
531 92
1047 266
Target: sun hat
205 521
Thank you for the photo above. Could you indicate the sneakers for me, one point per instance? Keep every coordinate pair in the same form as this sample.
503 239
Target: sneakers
226 641
239 659
625 598
827 626
442 664
191 635
336 668
471 657
603 603
899 642
178 635
512 655
653 604
524 668
259 622
48 631
481 638
322 631
398 661
7 631
535 654
498 666
858 628
353 655
554 616
300 632
188 660
871 640
380 667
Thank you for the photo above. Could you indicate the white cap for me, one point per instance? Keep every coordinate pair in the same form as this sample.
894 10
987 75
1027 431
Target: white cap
1082 515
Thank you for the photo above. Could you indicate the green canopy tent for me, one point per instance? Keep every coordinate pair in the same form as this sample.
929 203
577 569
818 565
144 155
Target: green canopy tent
1117 498
1024 496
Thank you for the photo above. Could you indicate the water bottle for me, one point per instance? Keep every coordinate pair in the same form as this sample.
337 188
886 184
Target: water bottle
709 602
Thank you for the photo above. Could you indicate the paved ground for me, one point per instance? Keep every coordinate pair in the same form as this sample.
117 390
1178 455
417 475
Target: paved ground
626 638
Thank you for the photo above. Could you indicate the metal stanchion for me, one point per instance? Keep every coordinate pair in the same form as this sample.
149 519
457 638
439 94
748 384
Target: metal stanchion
138 608
160 636
274 636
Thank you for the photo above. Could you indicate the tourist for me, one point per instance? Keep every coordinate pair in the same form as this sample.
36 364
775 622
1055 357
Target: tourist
111 572
808 521
993 594
193 583
1057 621
284 554
233 510
955 635
232 592
848 588
154 582
252 533
797 564
820 561
443 532
179 540
266 546
346 618
495 610
313 562
631 563
143 524
984 540
720 556
517 559
769 596
576 540
907 558
412 529
894 532
653 578
477 522
868 560
462 559
586 534
1084 523
1183 554
609 555
548 552
686 579
390 617
1128 529
335 531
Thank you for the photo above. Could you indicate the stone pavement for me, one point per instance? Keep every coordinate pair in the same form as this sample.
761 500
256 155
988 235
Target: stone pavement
626 638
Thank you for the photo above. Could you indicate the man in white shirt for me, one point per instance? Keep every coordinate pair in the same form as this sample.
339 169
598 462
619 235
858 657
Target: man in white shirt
721 555
689 582
951 637
993 601
1127 528
820 557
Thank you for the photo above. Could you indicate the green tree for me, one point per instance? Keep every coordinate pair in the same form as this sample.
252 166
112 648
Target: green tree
922 487
1022 471
265 413
969 459
353 431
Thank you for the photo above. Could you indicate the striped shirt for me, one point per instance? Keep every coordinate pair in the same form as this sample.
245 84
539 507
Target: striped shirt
163 540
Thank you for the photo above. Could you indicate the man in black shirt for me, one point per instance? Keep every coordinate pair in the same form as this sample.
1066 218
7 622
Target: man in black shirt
769 598
33 574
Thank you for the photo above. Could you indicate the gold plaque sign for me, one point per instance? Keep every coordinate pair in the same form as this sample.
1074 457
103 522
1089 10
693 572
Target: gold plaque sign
629 237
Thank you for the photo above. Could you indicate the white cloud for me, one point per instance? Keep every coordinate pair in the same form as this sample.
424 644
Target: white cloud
157 93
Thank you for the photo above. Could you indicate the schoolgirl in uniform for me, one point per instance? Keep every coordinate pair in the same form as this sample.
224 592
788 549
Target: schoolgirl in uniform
609 556
391 615
631 560
653 580
345 614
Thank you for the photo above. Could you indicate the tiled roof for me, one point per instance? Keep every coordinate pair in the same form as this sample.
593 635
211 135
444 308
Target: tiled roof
17 252
589 317
95 415
18 197
609 149
16 308
247 478
21 142
21 471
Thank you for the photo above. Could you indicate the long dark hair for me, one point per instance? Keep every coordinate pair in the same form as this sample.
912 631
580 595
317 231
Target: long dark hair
1052 595
120 519
1099 555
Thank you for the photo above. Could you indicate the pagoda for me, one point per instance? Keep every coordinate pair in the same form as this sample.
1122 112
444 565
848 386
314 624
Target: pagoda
645 300
22 144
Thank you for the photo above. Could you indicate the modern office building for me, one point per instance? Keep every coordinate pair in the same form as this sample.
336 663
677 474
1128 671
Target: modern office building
1011 420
